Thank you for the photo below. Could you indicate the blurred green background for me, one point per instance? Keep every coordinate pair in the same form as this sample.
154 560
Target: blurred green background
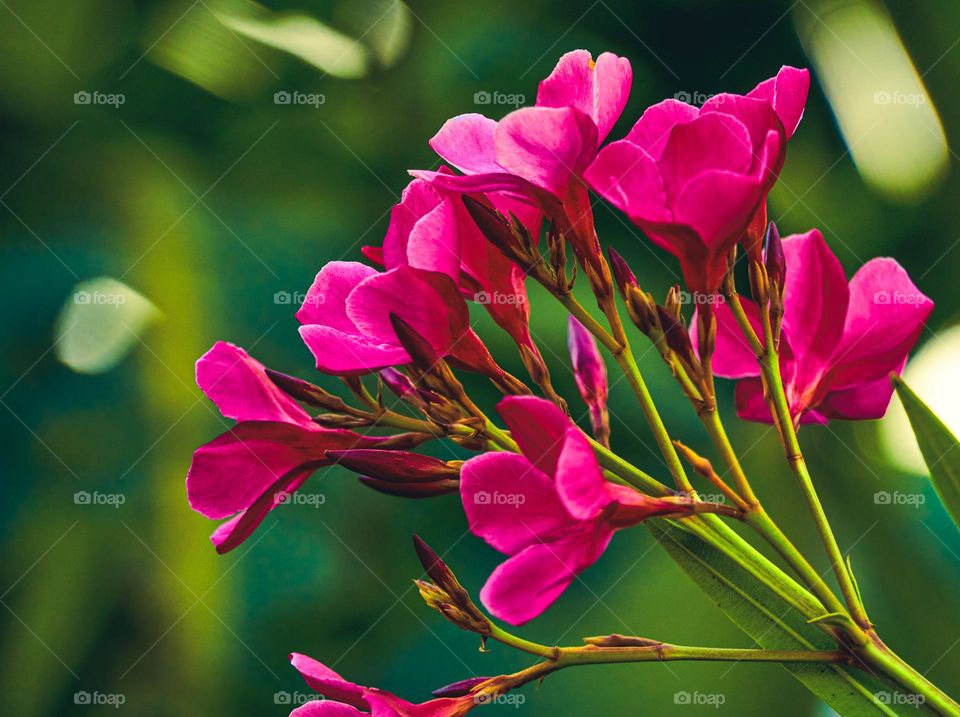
181 175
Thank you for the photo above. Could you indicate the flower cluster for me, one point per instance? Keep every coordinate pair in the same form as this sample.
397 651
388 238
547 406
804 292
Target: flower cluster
514 196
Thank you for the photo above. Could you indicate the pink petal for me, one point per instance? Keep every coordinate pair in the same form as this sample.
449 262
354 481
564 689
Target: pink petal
886 317
524 586
787 92
538 426
340 353
237 384
580 482
508 502
384 704
466 142
652 130
326 708
326 300
865 401
815 304
751 405
589 370
708 142
423 232
502 182
756 116
327 682
547 146
428 301
228 474
600 91
627 177
718 205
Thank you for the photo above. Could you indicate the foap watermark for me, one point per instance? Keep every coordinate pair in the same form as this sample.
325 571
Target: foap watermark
709 699
699 298
884 497
900 298
99 298
899 698
295 698
695 97
100 99
509 699
499 298
314 500
300 99
109 699
912 99
482 497
113 500
509 99
299 298
712 497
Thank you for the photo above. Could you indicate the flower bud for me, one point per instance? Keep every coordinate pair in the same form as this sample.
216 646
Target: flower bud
591 376
394 466
421 352
301 390
622 274
773 258
460 688
675 334
497 230
446 594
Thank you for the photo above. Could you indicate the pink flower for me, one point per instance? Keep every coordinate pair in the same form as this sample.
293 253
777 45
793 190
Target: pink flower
590 373
694 179
431 230
550 509
839 341
346 318
346 699
249 470
539 153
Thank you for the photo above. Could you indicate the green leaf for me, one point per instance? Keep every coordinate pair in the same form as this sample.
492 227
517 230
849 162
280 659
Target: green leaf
937 445
773 624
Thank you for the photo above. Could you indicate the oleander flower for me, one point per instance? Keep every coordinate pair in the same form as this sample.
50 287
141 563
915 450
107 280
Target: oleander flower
346 319
431 230
549 509
346 699
840 341
539 153
696 179
267 456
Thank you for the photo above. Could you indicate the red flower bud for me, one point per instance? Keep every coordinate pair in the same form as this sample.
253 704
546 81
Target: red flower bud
394 466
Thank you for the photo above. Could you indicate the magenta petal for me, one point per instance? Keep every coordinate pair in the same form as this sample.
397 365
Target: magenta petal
423 232
547 146
326 300
327 682
509 502
886 315
326 708
538 426
239 387
580 482
589 369
815 304
718 205
733 357
428 301
524 586
467 143
866 401
384 704
751 405
627 177
234 469
339 353
652 130
787 93
711 141
598 90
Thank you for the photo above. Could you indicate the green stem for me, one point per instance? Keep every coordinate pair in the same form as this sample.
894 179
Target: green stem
770 363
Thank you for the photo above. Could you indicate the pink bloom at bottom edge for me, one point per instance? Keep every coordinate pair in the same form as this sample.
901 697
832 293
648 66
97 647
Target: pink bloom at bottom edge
549 509
840 340
347 699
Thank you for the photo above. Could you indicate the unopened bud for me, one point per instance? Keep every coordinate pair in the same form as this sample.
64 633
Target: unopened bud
622 274
675 334
674 301
338 420
591 376
460 688
446 594
305 391
774 260
496 229
419 349
394 466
